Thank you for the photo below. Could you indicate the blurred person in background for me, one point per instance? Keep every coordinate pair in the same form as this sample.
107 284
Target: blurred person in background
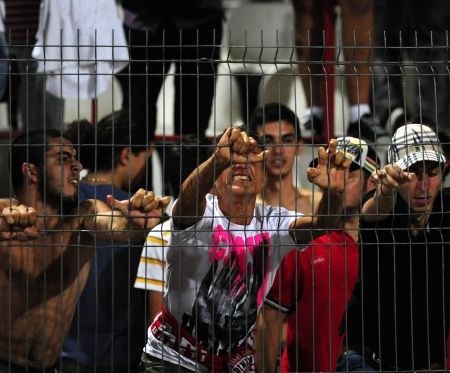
278 128
187 35
108 330
412 32
32 107
357 26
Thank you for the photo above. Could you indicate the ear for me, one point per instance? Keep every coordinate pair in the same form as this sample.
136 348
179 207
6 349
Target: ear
30 172
124 157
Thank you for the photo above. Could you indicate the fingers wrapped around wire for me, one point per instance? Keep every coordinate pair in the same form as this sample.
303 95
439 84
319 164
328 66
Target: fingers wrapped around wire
18 223
390 178
236 146
331 168
142 206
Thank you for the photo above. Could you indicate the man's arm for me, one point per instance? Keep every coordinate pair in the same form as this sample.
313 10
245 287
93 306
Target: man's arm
152 272
268 335
235 146
191 204
383 201
123 220
154 303
326 217
330 175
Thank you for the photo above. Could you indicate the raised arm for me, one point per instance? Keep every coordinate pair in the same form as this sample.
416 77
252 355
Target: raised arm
388 179
235 146
329 175
123 220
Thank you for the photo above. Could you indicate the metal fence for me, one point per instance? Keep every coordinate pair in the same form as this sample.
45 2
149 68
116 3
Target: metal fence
88 258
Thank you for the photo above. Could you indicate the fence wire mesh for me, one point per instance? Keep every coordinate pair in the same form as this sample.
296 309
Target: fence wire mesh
178 201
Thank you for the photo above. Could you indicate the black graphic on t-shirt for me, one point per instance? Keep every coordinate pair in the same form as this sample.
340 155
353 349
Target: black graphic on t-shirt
226 306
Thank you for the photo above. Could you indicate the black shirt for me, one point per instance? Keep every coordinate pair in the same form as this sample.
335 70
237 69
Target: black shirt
403 291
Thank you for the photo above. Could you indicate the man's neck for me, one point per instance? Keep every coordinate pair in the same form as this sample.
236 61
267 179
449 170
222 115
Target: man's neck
238 210
280 191
418 222
351 223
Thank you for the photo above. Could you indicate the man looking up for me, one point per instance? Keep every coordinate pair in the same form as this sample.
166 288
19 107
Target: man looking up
223 254
41 279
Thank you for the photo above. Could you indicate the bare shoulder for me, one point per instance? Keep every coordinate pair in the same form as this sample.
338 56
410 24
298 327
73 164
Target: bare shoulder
309 192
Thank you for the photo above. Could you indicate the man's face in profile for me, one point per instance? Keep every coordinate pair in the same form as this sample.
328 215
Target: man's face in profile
59 180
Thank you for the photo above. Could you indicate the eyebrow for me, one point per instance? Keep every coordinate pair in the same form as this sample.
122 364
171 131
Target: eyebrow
72 153
284 136
288 135
424 169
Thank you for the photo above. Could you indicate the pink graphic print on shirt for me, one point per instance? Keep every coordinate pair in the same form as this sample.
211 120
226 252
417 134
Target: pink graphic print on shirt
227 302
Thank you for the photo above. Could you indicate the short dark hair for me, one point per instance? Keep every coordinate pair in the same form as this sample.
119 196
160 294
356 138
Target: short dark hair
29 147
274 112
99 146
80 134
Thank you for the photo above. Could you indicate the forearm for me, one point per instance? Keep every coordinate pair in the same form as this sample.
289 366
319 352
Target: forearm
268 339
154 304
106 224
191 203
328 216
381 204
329 212
120 229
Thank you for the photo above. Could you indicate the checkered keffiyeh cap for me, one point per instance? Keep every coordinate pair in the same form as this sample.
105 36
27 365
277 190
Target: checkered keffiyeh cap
413 143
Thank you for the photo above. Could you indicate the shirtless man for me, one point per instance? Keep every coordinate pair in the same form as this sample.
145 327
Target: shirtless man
47 243
279 129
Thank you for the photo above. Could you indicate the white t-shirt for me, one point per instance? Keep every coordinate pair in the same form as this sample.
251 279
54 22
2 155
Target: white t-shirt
218 274
151 274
